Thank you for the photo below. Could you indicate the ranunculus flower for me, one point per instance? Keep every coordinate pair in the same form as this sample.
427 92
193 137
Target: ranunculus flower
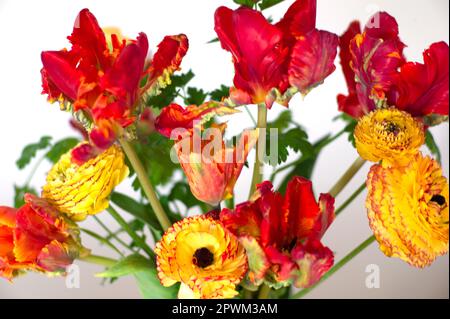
83 189
36 237
388 135
408 210
201 254
377 73
103 80
282 234
271 59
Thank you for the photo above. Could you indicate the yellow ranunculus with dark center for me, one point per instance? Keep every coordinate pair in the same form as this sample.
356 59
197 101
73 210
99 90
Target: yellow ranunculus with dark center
408 210
201 254
388 135
82 190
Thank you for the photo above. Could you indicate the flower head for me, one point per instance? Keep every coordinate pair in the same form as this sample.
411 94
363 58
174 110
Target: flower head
377 73
103 80
388 135
291 53
82 190
201 254
36 237
408 210
281 234
212 168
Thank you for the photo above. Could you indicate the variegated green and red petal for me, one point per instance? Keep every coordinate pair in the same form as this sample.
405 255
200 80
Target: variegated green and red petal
313 260
422 89
326 216
175 116
55 257
312 60
257 260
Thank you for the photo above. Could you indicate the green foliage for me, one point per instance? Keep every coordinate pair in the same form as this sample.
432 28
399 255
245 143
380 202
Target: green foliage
181 191
61 147
195 96
30 151
220 93
432 146
19 192
282 122
145 272
265 4
169 93
349 127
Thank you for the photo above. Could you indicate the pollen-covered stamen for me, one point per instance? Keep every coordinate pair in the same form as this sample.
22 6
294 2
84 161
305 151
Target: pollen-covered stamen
203 257
392 128
438 199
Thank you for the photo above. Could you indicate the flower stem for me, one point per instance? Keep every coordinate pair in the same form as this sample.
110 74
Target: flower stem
146 185
138 240
260 148
350 199
264 292
102 240
99 260
110 233
348 175
336 267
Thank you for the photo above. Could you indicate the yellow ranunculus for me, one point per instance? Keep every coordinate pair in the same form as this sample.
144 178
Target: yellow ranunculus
408 210
82 190
388 135
201 254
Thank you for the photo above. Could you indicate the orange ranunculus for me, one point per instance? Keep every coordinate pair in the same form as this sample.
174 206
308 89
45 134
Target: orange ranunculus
36 237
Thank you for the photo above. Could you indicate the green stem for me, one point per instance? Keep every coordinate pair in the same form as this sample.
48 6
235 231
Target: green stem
99 260
264 292
111 233
250 115
350 199
348 175
260 148
138 240
336 267
146 185
102 240
33 170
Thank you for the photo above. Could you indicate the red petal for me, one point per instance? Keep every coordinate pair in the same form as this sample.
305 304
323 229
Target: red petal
300 18
258 54
103 135
169 55
313 261
300 208
54 257
83 153
122 80
285 265
422 89
376 56
89 40
312 60
60 75
326 217
175 116
7 216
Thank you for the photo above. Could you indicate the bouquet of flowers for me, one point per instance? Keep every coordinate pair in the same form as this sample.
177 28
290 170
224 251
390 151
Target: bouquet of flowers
126 105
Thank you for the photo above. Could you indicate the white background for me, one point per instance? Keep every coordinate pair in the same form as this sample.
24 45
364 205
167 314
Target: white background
29 27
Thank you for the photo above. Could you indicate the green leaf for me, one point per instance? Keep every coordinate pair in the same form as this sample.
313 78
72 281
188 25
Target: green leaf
19 192
61 147
182 192
265 4
432 146
282 122
195 96
142 212
144 271
295 139
29 152
170 92
350 126
220 93
247 3
305 164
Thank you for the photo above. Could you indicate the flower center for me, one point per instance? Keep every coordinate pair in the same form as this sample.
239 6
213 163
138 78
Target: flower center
203 257
392 128
438 199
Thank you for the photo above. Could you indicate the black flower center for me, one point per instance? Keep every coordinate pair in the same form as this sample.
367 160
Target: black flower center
438 199
203 257
392 128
